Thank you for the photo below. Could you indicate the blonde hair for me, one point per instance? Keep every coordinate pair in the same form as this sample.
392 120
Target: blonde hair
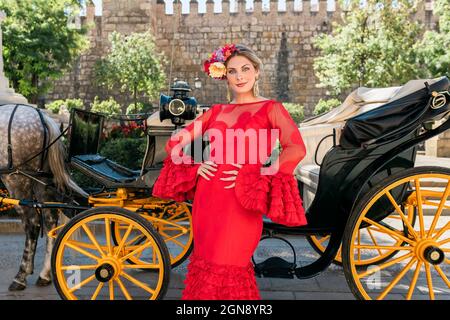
245 51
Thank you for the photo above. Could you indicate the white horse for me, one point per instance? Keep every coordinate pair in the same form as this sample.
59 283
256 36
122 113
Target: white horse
28 130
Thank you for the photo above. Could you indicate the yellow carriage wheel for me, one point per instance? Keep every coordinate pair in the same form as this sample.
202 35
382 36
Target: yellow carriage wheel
365 236
177 235
87 265
422 266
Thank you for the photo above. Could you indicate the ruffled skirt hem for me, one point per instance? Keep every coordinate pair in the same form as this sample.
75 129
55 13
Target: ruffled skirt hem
206 280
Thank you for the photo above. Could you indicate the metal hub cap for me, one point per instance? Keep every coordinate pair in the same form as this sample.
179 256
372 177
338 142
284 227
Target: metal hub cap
434 255
104 273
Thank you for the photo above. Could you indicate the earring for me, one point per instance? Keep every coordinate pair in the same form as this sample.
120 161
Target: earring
256 88
228 94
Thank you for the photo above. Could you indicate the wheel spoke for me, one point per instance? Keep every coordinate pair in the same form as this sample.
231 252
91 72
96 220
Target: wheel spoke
443 276
374 241
141 266
139 249
82 251
429 281
93 240
441 232
97 291
323 239
439 210
359 243
86 267
137 282
173 239
125 237
412 285
135 240
394 234
82 283
402 215
122 287
390 248
396 280
385 265
419 207
111 289
108 236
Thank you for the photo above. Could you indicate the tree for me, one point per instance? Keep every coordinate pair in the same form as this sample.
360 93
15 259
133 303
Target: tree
132 65
434 53
372 46
38 44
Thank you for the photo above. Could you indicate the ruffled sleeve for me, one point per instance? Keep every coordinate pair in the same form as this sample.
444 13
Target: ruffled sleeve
273 191
178 176
176 181
276 195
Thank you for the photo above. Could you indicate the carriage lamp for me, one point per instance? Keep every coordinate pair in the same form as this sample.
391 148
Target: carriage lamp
179 106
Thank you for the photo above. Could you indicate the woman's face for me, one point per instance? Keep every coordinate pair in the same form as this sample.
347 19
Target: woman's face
241 74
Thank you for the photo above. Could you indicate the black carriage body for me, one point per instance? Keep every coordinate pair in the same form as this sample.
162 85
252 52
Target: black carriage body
373 145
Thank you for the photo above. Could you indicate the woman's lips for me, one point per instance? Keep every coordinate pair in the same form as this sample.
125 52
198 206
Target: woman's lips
241 85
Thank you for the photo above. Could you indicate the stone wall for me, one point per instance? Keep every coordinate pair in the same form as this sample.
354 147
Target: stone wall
281 34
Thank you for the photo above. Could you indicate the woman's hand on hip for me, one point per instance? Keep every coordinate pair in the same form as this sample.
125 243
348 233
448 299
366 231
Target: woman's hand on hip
233 176
205 169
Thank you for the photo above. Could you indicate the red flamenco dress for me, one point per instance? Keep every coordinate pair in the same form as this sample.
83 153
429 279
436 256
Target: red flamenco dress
227 223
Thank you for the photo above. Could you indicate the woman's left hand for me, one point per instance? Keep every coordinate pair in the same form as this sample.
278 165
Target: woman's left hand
233 174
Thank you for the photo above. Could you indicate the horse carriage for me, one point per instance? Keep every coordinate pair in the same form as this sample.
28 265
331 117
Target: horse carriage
365 207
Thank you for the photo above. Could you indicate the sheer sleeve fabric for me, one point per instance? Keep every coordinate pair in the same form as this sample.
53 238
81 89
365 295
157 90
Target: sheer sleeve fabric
178 176
275 192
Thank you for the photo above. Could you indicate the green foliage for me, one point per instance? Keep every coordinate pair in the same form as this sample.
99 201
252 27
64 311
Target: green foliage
140 107
70 104
326 105
434 53
133 65
128 152
296 111
373 46
107 107
38 44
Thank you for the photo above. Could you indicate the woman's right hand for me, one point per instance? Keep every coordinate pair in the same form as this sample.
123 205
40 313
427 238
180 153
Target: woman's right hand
205 169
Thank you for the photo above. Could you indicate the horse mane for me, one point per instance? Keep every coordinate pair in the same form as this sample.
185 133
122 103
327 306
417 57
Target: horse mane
56 156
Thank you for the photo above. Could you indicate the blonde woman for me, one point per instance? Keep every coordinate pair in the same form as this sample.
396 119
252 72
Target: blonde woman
236 186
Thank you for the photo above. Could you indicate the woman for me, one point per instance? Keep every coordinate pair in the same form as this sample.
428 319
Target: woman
233 190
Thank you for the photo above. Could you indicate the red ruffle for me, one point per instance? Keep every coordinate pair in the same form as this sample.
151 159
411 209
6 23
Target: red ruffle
211 281
176 181
275 195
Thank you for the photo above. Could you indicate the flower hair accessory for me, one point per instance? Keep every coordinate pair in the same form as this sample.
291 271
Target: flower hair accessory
215 65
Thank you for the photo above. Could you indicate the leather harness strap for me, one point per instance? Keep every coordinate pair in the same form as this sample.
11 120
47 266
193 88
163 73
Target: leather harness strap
10 157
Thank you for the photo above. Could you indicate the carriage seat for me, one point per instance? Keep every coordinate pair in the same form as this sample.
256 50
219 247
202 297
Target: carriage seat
107 172
308 178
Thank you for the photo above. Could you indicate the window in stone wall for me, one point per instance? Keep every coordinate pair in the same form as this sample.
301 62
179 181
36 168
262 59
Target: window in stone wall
169 6
331 5
265 5
249 5
185 6
233 6
314 6
281 5
217 6
201 6
298 5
